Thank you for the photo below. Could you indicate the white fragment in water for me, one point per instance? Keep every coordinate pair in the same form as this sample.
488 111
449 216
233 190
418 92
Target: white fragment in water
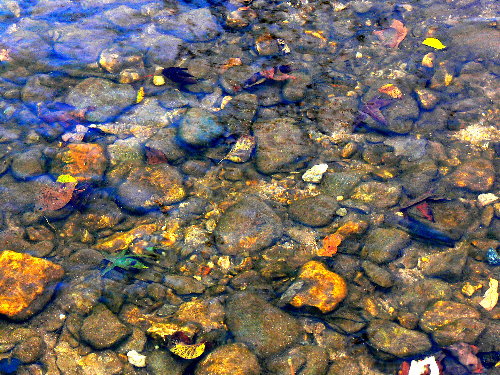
342 211
427 365
136 359
490 297
315 173
486 199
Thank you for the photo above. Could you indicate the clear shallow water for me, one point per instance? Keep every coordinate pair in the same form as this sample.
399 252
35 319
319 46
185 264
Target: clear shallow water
409 134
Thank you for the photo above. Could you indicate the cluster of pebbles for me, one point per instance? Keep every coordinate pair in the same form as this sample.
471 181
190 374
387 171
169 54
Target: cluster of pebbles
353 229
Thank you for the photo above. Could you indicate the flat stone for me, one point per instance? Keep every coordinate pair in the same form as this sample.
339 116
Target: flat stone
102 329
316 211
149 187
106 97
26 283
442 313
281 145
475 175
378 194
266 329
383 244
84 161
250 225
229 359
447 264
401 342
322 288
199 127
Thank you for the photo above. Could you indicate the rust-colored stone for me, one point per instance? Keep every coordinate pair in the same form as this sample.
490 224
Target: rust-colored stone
326 289
25 283
84 161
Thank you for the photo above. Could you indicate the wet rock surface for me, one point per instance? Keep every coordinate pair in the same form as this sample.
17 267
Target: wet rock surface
248 226
263 327
280 187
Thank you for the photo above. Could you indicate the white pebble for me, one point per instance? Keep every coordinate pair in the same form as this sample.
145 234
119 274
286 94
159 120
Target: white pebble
486 199
315 173
136 359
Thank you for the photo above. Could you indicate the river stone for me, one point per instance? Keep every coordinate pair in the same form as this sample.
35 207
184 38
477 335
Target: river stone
417 296
316 211
378 194
281 145
442 313
199 127
477 175
447 265
152 186
26 283
461 330
28 164
384 244
102 329
266 329
82 42
378 275
25 46
337 115
391 338
108 98
339 183
248 226
229 359
239 113
197 25
311 359
161 49
295 89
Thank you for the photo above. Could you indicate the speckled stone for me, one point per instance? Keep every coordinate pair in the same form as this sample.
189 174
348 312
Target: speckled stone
475 175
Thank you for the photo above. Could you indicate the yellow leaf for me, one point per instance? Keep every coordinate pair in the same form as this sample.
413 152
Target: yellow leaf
490 298
392 90
434 43
64 178
140 95
188 351
158 80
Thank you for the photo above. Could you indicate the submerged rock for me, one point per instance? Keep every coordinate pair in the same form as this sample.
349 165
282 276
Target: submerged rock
263 327
401 342
229 359
248 226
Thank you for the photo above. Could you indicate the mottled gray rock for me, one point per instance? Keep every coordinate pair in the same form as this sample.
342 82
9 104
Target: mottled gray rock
248 226
281 145
229 359
391 338
184 284
316 211
165 141
451 322
38 89
295 89
108 98
102 329
151 187
378 275
125 17
25 46
447 264
239 113
160 362
266 329
384 244
417 296
311 359
161 49
337 115
28 164
199 127
30 349
197 25
339 183
82 42
378 194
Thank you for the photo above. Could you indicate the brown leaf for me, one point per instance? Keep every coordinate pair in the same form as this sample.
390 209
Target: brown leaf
55 196
155 156
392 36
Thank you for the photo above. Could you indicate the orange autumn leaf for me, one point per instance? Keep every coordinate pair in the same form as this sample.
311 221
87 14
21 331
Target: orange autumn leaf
392 90
55 196
333 241
392 36
330 245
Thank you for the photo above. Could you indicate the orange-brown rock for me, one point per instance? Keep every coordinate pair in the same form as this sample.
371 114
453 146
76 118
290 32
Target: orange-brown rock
26 283
475 175
84 161
324 289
